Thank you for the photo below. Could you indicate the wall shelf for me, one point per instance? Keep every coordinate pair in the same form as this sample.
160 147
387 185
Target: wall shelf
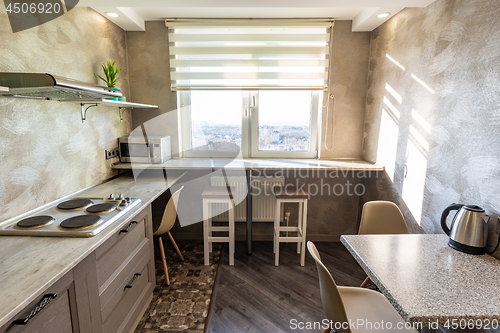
88 103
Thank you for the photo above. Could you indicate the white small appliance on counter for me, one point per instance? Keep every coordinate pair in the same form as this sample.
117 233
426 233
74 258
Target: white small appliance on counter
139 149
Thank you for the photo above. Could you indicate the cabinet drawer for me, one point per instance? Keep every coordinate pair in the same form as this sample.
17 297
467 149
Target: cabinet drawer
115 251
58 316
108 294
119 313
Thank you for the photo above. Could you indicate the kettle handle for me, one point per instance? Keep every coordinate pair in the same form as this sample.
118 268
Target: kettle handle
445 215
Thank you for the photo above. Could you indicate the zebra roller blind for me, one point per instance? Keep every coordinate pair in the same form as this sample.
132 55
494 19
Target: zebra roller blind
249 55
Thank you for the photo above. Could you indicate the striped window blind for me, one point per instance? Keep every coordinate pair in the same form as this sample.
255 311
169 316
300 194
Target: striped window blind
249 55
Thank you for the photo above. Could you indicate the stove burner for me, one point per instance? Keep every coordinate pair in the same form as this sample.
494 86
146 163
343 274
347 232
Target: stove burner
101 208
35 221
81 221
75 204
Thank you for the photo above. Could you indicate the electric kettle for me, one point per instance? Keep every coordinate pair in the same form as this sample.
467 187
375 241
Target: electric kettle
469 229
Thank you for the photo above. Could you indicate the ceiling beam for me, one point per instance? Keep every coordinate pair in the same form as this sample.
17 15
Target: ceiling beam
367 19
127 19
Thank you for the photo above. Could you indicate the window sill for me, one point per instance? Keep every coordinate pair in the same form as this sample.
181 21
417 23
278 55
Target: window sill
255 163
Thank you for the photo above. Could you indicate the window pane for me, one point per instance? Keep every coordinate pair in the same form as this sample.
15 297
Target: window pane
216 120
284 120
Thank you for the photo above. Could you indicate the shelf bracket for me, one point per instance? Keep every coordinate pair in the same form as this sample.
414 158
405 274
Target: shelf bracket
84 110
120 110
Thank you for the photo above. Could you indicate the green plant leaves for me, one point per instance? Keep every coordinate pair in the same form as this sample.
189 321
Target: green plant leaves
110 72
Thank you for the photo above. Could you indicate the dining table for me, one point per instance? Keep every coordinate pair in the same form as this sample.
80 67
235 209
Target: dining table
430 284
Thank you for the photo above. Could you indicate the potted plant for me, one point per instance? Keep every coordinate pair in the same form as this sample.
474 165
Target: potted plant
110 72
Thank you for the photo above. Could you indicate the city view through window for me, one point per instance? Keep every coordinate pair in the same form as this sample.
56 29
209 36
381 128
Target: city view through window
283 120
216 120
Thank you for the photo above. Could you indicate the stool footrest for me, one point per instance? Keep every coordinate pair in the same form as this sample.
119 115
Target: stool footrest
219 229
290 239
289 229
218 239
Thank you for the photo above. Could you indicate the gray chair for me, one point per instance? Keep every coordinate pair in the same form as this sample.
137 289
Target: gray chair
344 304
381 218
167 222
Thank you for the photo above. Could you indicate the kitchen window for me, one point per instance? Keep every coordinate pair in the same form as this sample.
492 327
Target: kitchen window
253 88
220 123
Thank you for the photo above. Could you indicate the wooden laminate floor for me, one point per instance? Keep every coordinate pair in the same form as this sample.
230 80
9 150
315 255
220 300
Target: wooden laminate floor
256 296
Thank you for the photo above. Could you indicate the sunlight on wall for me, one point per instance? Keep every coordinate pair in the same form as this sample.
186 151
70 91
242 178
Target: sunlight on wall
392 109
416 165
388 138
395 62
423 84
420 142
421 121
394 93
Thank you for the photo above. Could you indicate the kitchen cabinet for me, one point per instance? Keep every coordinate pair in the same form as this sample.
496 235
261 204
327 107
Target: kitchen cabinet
107 292
57 316
125 274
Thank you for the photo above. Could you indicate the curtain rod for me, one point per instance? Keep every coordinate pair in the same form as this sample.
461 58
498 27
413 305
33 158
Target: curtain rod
249 20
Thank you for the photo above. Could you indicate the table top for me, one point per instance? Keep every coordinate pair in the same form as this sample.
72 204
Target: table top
255 164
426 280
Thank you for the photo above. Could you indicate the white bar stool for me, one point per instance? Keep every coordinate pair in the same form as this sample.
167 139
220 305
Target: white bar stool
287 194
217 195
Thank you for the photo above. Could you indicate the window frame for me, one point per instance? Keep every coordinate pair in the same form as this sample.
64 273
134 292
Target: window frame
313 134
249 129
184 107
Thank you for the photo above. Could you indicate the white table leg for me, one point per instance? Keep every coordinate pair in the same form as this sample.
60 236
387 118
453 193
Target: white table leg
205 232
277 234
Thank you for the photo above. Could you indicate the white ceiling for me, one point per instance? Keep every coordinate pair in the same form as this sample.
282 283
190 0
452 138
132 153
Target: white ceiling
363 13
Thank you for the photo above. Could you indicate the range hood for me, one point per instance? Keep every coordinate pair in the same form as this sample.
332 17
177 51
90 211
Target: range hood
47 86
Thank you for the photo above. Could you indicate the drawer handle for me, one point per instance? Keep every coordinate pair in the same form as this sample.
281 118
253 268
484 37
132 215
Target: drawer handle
45 301
129 226
131 284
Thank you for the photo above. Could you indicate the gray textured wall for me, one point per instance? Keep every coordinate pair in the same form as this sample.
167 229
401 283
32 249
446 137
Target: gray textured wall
438 135
45 150
349 71
149 68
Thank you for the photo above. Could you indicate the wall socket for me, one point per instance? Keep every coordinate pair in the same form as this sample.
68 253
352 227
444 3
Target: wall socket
111 153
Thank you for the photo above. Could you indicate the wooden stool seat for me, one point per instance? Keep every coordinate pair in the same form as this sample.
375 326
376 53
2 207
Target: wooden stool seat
288 194
217 192
217 195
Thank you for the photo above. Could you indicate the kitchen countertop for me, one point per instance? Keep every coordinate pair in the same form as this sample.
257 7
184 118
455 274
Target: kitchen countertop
255 163
29 265
426 280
